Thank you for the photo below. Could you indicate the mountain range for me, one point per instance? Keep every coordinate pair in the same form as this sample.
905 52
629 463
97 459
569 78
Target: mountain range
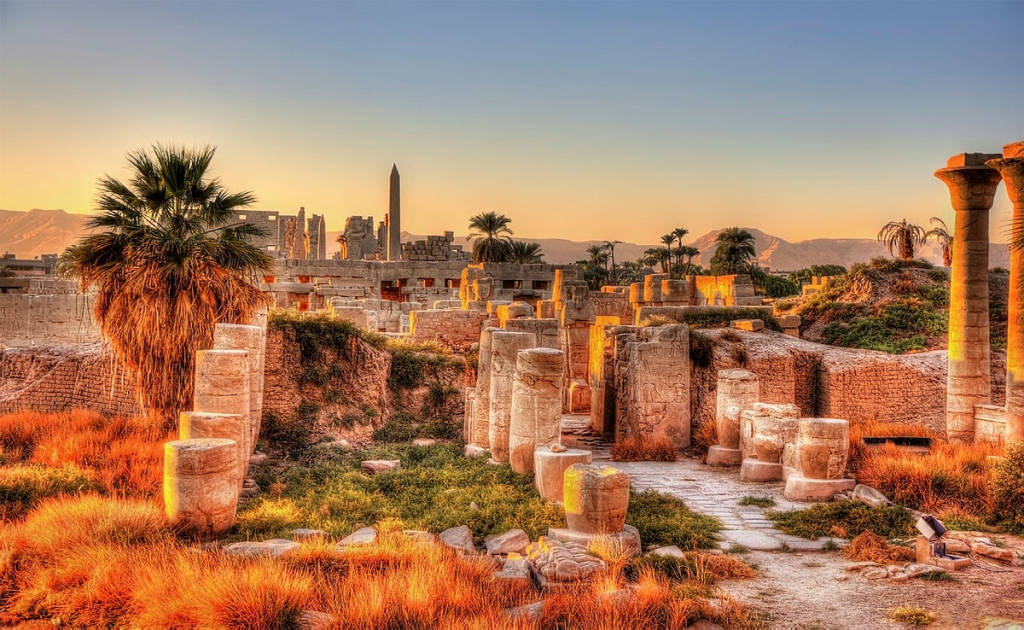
31 233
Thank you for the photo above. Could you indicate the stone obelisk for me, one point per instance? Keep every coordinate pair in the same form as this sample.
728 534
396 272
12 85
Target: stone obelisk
394 245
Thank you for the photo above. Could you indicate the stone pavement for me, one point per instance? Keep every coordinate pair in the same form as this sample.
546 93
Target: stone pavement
705 489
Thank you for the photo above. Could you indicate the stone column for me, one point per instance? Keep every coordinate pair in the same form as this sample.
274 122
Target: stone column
468 414
602 379
972 187
577 315
1011 167
536 418
222 385
200 485
482 407
596 498
195 425
251 338
736 390
549 466
765 431
505 347
822 449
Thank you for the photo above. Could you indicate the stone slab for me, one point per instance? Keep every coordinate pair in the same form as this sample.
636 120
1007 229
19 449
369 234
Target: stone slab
721 456
800 488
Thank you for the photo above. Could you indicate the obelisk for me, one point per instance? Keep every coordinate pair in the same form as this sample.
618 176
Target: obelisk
394 248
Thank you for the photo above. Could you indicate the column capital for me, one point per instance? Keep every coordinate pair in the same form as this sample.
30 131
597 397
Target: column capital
1012 171
972 184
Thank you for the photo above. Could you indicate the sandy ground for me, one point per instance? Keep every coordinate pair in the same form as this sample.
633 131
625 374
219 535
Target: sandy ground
800 590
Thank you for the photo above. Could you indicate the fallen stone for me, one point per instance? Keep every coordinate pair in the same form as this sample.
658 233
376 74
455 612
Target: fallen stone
989 551
867 494
752 325
420 537
914 570
670 551
364 536
555 561
516 568
316 620
424 442
308 534
472 450
751 539
877 573
860 566
956 546
899 577
512 541
625 542
374 466
458 538
247 549
280 546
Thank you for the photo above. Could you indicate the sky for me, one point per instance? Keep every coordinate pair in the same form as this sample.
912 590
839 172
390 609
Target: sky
581 120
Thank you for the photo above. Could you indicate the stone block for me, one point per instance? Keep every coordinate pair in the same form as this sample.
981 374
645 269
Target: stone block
201 485
801 488
754 470
752 325
512 541
627 541
458 538
549 468
722 456
596 498
375 466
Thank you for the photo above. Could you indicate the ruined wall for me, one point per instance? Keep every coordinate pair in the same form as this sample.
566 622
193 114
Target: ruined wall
736 290
51 379
454 328
27 320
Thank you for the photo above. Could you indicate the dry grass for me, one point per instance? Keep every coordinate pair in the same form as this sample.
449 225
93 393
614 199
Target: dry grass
94 561
874 548
705 436
123 455
632 449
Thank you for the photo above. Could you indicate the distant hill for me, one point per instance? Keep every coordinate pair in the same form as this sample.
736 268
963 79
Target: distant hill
29 234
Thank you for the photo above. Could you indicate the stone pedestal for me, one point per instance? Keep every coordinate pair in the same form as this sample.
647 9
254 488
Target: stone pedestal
482 409
754 470
505 347
1011 167
253 340
222 386
736 390
596 498
765 430
972 187
823 445
200 485
536 417
197 425
549 468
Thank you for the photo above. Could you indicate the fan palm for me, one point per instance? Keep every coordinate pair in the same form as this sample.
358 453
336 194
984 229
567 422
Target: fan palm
166 266
942 236
490 234
524 253
902 237
734 253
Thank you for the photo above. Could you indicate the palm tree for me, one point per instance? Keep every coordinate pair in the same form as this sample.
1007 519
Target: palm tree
166 266
734 253
598 256
903 237
490 234
942 236
679 233
688 252
610 247
525 253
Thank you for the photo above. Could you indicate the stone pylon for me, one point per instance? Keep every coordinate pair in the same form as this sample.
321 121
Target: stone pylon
505 347
972 188
1011 167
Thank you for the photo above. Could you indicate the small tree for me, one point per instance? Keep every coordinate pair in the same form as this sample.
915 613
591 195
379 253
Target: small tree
490 234
901 237
945 240
734 253
524 253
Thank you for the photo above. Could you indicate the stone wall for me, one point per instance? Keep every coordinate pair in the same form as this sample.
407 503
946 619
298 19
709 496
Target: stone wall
51 379
27 320
736 290
454 328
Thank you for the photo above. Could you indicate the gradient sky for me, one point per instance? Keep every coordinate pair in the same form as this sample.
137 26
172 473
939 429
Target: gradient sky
578 120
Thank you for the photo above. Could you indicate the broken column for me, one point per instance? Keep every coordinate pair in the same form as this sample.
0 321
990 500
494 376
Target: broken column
765 430
250 338
657 386
602 379
227 426
596 499
513 311
536 418
222 386
822 449
468 414
737 390
577 315
200 485
481 435
1011 167
545 329
505 347
549 466
972 187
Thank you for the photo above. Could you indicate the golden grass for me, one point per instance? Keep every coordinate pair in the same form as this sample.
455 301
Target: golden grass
872 547
98 561
633 449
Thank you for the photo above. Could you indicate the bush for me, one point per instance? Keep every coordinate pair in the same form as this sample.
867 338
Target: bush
633 449
1008 489
844 519
778 286
721 316
22 487
665 520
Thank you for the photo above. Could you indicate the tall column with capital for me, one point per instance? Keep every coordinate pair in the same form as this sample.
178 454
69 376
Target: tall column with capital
1011 167
972 188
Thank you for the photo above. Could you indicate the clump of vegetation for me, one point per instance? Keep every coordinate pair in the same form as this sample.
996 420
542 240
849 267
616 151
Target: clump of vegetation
22 487
633 449
702 568
872 547
895 327
843 519
721 316
762 502
705 436
912 615
1008 489
316 332
665 520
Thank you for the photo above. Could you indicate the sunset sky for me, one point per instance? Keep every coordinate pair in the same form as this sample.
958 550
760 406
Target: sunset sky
578 120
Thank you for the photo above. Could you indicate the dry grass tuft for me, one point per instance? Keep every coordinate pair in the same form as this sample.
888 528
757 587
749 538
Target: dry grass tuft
633 449
874 548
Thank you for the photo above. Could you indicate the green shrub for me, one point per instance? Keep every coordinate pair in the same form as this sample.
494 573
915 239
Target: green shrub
665 520
401 427
844 519
720 316
778 286
23 486
289 435
1008 489
900 326
763 502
